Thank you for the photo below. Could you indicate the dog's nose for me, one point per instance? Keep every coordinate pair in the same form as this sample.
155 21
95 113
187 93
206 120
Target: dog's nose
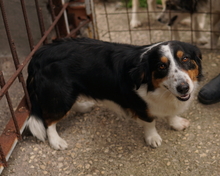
183 88
159 19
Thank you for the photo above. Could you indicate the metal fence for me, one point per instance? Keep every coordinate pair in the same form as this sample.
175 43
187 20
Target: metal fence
113 21
68 20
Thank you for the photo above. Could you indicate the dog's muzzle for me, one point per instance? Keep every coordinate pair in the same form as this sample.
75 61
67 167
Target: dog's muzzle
183 90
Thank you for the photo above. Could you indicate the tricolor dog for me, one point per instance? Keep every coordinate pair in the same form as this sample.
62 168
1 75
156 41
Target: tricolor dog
147 82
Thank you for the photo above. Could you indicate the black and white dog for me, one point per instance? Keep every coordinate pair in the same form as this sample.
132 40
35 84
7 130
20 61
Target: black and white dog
176 10
149 81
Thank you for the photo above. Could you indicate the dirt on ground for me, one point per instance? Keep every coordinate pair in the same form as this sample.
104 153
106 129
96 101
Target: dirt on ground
102 143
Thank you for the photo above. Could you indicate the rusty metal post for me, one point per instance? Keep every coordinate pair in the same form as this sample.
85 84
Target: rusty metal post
40 19
61 24
51 6
3 159
30 38
13 51
2 83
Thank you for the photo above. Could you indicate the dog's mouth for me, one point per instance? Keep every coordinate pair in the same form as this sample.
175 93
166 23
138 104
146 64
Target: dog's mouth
184 97
172 20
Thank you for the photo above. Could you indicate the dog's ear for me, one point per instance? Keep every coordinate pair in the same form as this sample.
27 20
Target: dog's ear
137 75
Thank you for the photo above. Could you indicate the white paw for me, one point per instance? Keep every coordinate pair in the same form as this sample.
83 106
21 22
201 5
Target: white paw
179 123
202 41
58 143
83 107
135 23
55 140
153 140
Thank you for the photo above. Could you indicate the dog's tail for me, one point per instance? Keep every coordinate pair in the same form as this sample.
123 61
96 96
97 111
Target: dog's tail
35 122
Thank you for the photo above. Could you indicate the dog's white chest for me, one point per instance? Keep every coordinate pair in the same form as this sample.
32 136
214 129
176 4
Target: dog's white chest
161 103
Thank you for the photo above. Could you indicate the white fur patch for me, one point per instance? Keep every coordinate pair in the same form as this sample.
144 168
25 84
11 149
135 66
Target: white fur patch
178 123
151 136
55 140
37 128
83 107
147 49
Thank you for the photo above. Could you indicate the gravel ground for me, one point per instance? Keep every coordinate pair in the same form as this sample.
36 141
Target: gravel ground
102 143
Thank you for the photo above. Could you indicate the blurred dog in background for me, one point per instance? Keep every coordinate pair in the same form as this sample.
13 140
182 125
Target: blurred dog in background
152 8
176 10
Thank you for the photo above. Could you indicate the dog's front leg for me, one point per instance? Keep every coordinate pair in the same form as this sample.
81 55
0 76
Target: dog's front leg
197 26
151 136
177 123
174 32
134 16
152 7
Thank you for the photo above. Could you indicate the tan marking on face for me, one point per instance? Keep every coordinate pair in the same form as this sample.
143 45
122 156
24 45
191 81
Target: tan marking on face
156 82
193 74
164 59
179 54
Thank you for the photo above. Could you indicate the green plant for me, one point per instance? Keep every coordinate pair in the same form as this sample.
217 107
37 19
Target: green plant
143 3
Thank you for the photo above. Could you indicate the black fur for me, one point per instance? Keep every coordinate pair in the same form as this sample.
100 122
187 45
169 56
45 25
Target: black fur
190 6
61 71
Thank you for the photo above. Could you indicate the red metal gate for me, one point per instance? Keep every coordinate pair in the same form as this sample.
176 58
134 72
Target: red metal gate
67 20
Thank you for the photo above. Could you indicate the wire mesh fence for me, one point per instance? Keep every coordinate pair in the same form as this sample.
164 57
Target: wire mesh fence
114 21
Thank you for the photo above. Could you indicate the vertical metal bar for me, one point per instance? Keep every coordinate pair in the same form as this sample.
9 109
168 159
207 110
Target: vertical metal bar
40 19
11 42
30 38
148 17
61 24
53 17
3 158
13 51
171 30
106 16
191 26
2 83
129 28
211 22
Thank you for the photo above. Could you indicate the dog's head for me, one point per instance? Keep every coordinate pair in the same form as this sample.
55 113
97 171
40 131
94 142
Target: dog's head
176 10
174 66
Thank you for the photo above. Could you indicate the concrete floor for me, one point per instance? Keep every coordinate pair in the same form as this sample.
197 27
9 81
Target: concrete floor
102 143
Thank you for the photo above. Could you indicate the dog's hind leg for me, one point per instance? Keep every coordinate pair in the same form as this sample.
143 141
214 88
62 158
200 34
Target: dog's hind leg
83 107
177 123
134 16
152 7
55 140
174 32
216 30
197 26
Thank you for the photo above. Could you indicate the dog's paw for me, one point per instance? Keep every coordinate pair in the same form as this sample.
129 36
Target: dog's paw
135 23
58 144
179 123
202 41
153 140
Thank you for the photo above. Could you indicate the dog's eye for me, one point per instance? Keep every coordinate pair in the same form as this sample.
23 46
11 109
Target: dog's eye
162 66
185 59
